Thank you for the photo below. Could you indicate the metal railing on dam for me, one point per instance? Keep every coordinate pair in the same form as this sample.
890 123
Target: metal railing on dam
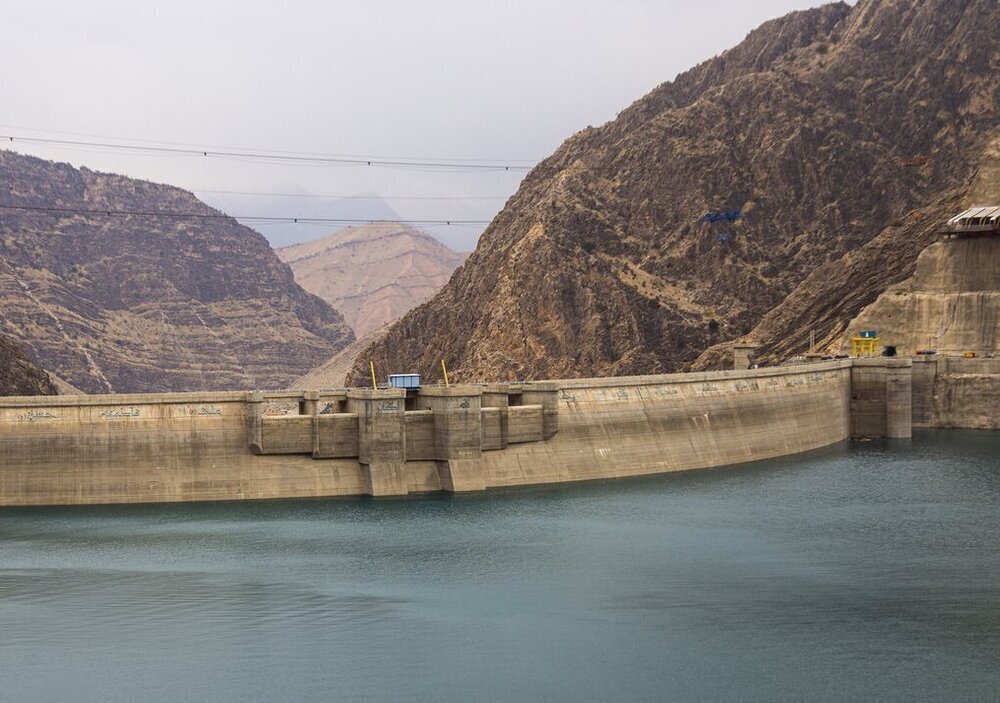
242 445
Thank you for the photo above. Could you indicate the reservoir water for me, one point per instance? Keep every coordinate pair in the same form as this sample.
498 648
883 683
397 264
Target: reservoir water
866 571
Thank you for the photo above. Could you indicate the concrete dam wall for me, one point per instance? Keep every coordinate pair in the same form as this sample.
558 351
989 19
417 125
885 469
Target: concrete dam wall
230 446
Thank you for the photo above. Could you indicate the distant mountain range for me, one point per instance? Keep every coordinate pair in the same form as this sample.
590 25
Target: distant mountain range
364 207
141 303
373 273
835 139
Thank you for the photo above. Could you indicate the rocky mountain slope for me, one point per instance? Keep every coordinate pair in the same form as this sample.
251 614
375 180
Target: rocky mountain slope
834 293
372 273
335 372
18 376
822 128
140 302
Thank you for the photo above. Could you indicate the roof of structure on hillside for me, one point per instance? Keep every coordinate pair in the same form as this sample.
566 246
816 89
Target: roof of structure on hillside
976 219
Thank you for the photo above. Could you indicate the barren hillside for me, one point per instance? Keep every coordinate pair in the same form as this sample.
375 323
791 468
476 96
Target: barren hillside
822 129
18 376
373 273
145 302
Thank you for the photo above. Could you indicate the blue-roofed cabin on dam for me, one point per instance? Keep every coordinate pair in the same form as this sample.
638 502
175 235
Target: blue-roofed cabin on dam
975 220
404 380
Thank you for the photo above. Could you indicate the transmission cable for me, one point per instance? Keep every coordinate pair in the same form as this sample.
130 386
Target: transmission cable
111 212
277 157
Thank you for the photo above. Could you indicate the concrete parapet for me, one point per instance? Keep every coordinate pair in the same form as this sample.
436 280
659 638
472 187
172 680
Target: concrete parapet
546 395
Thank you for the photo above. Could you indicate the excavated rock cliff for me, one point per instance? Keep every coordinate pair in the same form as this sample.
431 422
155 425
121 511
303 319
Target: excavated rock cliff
140 303
951 304
18 376
373 273
823 128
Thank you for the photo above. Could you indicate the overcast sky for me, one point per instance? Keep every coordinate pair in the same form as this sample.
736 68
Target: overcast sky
442 79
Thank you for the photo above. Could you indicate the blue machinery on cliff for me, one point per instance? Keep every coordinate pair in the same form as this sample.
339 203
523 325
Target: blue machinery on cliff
722 216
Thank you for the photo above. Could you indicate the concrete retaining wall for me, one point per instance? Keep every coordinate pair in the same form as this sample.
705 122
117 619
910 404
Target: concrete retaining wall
956 392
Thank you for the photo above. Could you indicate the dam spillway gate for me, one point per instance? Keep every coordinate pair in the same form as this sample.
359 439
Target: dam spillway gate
451 426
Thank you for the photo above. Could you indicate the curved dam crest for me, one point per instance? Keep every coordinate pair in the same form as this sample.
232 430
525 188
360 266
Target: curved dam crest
236 445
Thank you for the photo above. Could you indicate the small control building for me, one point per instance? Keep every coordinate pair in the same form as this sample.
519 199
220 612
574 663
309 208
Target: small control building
409 381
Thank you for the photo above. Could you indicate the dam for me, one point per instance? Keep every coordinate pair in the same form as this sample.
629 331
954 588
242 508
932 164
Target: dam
251 445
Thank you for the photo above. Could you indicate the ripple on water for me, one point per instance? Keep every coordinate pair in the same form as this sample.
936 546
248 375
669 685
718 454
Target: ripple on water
862 571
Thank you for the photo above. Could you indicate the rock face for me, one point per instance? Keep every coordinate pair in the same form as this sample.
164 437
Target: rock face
823 128
951 304
335 371
18 376
835 292
372 273
140 303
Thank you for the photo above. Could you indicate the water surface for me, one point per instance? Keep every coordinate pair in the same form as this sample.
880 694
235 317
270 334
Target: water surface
869 570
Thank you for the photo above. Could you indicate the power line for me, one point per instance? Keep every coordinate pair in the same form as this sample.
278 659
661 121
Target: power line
219 216
216 147
279 157
351 197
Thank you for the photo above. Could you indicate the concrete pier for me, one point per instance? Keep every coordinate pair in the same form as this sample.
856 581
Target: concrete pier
458 435
381 439
881 398
496 416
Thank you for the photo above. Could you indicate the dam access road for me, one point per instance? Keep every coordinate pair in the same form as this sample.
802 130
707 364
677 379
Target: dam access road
235 445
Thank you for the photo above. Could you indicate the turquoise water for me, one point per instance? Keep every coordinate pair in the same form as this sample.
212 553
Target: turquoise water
869 570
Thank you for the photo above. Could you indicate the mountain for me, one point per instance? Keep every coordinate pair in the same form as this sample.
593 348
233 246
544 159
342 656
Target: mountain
334 372
372 273
142 302
18 376
818 132
951 304
302 204
827 300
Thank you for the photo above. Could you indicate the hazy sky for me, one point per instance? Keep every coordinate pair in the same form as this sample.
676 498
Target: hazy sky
443 79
